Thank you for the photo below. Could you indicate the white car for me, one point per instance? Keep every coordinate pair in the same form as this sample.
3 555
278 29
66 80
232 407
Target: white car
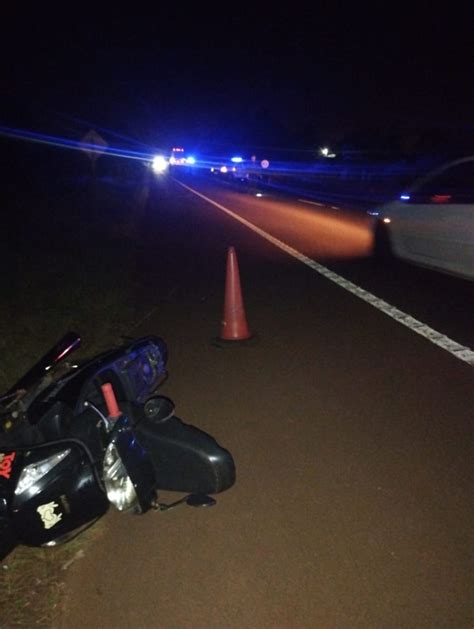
432 224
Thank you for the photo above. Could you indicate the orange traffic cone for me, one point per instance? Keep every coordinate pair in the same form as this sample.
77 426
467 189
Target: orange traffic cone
234 324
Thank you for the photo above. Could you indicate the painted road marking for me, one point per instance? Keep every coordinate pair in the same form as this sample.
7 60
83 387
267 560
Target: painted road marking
333 207
311 202
453 347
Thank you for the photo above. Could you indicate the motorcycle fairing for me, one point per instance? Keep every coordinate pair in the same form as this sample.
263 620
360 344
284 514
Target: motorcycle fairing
133 370
53 506
185 458
8 537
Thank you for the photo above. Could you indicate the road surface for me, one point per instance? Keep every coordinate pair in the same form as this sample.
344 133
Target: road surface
352 436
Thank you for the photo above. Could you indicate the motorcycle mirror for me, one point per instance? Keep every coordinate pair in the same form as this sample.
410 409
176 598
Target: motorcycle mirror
193 500
200 500
159 408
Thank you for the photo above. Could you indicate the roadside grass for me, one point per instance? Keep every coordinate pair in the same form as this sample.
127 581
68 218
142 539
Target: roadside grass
33 581
71 268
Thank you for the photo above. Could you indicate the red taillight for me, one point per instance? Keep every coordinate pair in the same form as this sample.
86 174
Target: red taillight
441 198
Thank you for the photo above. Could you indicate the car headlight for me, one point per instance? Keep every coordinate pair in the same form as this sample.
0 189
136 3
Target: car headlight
118 484
159 164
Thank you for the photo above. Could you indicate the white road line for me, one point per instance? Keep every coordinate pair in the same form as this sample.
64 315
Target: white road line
312 202
333 207
453 347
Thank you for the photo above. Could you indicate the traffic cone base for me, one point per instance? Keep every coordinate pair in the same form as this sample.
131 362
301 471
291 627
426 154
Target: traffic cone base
220 342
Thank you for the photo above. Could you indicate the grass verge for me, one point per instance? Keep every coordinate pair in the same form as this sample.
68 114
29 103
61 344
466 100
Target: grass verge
33 581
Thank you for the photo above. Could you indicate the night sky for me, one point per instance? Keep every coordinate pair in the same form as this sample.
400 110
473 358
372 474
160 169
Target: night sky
237 74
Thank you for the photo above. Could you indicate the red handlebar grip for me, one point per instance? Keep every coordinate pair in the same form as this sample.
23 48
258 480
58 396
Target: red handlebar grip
110 400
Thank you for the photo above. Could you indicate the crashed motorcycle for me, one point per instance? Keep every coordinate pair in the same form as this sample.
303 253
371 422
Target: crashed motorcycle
77 438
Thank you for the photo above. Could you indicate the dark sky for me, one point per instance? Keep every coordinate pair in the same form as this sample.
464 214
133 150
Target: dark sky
249 75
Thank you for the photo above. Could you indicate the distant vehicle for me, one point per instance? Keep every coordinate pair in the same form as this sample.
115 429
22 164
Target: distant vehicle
226 170
230 169
432 224
179 158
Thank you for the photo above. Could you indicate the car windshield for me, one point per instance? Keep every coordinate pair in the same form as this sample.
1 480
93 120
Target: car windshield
454 184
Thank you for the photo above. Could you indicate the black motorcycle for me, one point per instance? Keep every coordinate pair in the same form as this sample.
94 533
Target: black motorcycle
75 438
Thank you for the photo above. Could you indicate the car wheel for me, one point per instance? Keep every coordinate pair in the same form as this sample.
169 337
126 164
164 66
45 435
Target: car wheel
382 245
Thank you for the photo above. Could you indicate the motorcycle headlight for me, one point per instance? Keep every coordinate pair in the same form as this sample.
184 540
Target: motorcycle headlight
118 484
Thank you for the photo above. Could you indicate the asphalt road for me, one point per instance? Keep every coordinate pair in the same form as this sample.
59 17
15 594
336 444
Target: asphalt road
342 241
352 436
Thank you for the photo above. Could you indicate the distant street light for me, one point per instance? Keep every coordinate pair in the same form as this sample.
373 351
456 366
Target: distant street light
326 152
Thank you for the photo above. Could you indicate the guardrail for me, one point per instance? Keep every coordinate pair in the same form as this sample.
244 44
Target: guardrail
360 185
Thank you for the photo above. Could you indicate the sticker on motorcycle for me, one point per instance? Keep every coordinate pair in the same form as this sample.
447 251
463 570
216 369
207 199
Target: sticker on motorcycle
6 464
49 517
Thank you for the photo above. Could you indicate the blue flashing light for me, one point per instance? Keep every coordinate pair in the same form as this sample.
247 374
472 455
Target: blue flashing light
405 197
191 160
236 160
